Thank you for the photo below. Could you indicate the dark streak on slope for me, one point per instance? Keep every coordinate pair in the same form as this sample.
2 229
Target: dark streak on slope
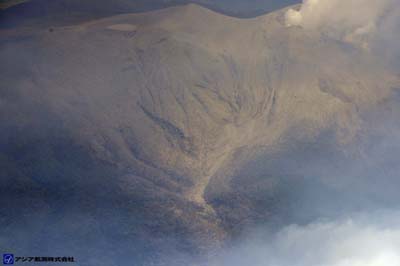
173 134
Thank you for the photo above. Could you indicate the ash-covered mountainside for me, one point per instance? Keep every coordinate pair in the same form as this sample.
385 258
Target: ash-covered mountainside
166 133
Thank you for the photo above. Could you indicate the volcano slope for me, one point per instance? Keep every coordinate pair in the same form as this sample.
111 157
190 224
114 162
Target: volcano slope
167 133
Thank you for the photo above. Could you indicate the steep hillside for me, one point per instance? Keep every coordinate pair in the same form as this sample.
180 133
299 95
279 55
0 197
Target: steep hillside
137 130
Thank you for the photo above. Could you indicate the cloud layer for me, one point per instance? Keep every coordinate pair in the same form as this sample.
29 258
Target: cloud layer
371 25
363 240
351 14
352 20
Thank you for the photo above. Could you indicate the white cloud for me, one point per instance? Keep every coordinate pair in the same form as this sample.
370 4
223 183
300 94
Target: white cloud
293 18
351 20
359 241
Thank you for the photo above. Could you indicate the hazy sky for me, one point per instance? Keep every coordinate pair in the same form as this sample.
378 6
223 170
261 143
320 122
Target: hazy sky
245 6
61 12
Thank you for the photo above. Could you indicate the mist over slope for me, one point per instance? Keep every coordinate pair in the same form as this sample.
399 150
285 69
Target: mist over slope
174 131
362 239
